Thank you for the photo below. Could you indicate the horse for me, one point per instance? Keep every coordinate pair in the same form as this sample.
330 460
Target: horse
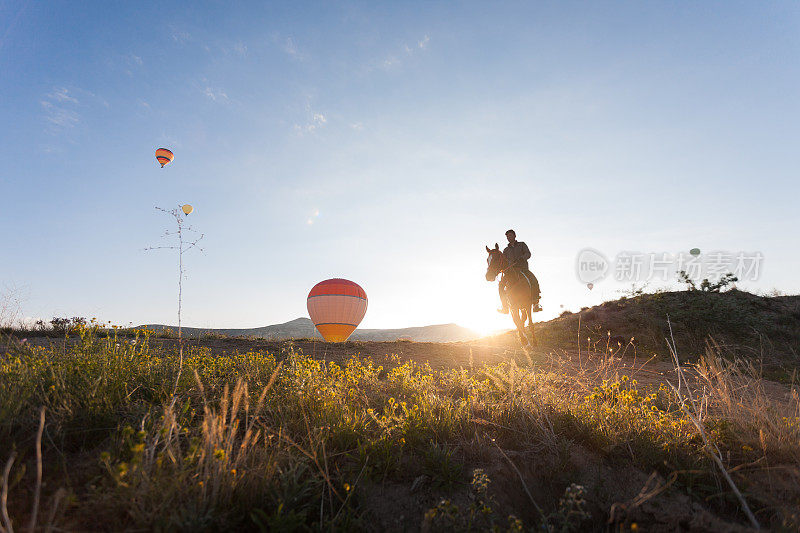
519 292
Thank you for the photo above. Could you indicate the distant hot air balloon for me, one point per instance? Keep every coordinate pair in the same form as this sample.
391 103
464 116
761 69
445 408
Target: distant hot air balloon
336 306
590 285
164 156
187 209
695 251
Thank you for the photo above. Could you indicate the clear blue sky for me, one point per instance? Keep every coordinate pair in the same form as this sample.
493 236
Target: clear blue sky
410 135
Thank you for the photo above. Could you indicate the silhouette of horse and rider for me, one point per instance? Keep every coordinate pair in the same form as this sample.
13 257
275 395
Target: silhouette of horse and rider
519 288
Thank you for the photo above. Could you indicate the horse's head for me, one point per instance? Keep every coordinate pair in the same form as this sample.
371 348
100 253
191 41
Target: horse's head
497 262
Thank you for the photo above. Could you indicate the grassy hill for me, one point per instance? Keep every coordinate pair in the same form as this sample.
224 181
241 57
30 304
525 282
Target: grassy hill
743 324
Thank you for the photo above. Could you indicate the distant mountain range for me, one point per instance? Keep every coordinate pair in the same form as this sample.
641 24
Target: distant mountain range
301 328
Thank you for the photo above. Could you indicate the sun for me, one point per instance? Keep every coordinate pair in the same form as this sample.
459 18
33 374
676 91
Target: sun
478 312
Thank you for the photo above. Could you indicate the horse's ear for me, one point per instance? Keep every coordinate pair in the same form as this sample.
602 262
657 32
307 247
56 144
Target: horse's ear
496 246
488 250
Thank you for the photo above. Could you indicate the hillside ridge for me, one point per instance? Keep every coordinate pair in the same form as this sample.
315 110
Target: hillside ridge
303 327
741 323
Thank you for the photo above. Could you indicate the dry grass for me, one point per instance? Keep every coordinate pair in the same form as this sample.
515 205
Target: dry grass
258 442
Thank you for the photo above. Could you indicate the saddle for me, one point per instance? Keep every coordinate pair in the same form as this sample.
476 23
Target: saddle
536 293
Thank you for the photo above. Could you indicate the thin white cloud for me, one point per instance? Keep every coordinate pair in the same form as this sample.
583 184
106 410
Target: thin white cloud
217 95
180 37
59 117
240 48
315 122
131 63
357 126
61 94
395 60
59 110
292 50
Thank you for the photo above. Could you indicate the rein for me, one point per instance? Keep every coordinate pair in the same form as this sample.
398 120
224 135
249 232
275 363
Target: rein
511 269
502 258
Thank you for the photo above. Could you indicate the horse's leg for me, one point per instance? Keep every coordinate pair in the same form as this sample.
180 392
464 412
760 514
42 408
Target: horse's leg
531 334
519 321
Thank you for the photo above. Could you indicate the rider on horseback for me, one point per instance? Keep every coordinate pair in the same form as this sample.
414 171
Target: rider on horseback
517 253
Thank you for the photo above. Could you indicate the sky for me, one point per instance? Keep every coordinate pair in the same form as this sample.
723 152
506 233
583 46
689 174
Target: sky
387 143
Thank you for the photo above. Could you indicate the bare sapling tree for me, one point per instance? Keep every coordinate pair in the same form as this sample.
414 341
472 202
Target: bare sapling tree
187 239
10 306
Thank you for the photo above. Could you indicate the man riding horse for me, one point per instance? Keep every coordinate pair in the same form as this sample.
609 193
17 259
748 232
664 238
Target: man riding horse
517 253
519 288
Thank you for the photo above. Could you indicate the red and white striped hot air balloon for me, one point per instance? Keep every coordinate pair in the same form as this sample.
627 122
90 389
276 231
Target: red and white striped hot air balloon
336 306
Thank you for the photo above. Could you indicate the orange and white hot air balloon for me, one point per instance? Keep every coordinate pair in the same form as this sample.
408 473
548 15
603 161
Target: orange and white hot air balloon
164 156
336 306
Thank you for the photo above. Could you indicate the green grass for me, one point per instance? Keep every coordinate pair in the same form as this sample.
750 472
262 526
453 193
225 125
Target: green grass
256 442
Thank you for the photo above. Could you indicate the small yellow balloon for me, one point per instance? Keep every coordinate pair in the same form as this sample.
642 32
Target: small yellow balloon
187 209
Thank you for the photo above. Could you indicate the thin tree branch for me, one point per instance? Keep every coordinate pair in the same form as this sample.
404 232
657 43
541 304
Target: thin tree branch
7 526
38 491
522 480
